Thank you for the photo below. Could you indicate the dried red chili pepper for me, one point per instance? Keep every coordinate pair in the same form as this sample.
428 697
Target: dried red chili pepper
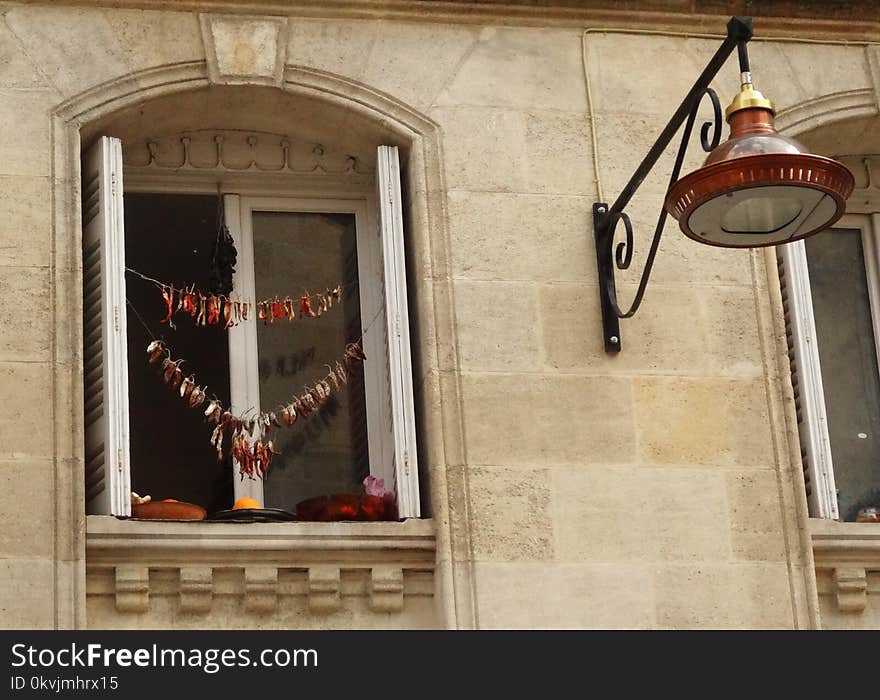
197 397
168 297
217 441
268 452
186 388
189 304
277 308
289 415
213 310
355 351
341 372
305 306
155 350
169 368
200 319
213 412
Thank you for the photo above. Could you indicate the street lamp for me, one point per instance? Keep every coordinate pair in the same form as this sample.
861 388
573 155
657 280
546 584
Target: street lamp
757 189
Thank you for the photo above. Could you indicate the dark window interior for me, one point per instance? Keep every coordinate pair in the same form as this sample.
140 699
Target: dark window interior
171 238
848 356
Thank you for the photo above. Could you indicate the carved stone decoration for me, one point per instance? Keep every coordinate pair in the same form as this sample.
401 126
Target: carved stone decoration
132 588
386 589
851 588
162 569
217 151
324 589
245 50
260 589
196 589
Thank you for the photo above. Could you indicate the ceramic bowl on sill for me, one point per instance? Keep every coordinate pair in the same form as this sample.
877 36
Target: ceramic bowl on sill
345 506
167 510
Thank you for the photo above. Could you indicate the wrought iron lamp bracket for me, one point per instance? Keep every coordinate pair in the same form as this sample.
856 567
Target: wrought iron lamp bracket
606 218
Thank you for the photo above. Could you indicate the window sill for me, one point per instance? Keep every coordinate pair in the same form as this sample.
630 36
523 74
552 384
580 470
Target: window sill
845 554
263 563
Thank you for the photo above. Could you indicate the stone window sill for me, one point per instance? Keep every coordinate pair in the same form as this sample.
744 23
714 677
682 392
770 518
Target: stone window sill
847 559
261 562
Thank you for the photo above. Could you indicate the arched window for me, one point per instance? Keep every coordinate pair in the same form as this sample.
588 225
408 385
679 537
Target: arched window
315 212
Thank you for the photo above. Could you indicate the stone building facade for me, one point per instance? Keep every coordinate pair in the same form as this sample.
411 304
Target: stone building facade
561 487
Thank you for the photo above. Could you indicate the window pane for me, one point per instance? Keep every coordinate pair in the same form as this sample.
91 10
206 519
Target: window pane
171 238
848 357
299 252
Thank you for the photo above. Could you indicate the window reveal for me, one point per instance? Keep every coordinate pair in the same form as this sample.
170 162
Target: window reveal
391 454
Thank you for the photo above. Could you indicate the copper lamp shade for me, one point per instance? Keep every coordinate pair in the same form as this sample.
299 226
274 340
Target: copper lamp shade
758 188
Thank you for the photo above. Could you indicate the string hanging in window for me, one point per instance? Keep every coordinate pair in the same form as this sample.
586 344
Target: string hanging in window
212 309
246 435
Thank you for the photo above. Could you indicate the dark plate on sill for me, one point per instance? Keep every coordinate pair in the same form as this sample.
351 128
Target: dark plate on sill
253 515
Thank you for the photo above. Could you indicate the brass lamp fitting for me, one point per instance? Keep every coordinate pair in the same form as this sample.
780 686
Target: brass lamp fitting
748 98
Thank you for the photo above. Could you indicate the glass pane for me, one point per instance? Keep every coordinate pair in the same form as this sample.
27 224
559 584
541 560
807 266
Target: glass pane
849 365
297 252
170 238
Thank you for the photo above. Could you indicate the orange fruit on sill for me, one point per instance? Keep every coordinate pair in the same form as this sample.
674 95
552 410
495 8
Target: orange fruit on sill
246 503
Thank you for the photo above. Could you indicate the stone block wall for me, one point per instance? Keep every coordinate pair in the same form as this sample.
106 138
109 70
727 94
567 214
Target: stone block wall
657 488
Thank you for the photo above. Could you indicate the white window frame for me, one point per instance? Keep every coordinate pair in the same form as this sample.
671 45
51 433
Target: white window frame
801 327
244 377
378 214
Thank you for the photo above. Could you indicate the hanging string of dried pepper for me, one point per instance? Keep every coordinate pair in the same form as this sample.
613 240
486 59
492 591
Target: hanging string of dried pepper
213 309
253 457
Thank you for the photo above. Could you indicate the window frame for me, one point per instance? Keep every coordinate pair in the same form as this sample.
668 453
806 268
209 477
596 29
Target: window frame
365 197
243 338
804 354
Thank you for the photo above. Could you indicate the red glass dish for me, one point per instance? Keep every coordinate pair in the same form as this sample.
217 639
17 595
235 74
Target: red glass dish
345 506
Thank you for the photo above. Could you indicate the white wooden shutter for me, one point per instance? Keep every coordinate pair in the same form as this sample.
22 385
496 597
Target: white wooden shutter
402 413
105 360
806 376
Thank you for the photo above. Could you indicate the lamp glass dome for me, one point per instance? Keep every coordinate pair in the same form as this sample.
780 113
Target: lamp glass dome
757 215
759 188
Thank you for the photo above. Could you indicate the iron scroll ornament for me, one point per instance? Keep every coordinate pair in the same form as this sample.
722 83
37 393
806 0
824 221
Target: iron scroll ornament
606 227
606 219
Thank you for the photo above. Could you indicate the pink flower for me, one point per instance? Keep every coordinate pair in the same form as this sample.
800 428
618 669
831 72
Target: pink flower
374 486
